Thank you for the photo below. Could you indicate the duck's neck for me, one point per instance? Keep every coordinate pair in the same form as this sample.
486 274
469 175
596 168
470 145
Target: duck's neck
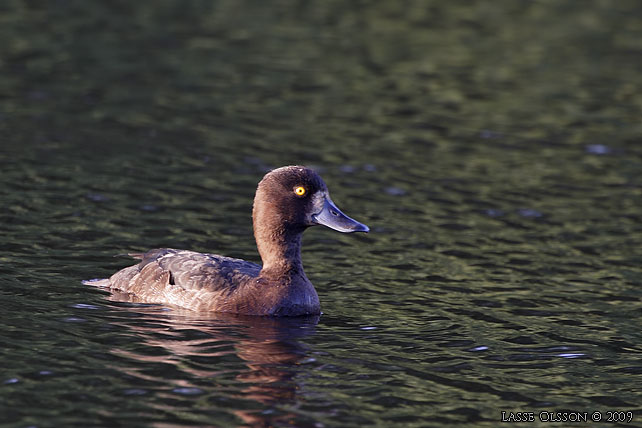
278 242
280 252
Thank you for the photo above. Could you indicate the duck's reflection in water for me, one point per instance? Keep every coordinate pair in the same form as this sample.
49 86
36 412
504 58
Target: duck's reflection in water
199 347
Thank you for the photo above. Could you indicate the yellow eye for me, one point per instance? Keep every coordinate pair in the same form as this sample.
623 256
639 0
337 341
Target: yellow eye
299 190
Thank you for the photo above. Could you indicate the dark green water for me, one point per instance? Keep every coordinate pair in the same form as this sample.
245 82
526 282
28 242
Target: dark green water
493 147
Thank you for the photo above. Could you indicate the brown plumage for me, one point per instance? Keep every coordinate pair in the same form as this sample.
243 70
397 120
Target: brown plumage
288 200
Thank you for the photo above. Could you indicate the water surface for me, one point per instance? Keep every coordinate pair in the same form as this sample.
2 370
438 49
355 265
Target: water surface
493 148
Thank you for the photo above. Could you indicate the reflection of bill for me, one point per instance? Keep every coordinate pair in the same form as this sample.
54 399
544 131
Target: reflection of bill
204 350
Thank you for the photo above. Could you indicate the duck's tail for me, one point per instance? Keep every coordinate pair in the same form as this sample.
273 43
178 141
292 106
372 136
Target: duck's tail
97 282
106 282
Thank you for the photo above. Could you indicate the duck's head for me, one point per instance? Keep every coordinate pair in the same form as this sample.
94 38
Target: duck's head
292 198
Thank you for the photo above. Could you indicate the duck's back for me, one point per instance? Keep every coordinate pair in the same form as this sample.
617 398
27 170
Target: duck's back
188 279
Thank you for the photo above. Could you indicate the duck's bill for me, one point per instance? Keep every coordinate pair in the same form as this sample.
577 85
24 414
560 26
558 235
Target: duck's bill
332 217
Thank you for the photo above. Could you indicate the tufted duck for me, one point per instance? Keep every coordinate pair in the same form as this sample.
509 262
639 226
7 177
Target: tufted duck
288 200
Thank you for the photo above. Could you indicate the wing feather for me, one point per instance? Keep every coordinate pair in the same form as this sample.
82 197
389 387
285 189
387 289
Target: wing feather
185 278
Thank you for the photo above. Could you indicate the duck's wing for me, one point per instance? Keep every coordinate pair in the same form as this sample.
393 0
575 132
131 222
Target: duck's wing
184 278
